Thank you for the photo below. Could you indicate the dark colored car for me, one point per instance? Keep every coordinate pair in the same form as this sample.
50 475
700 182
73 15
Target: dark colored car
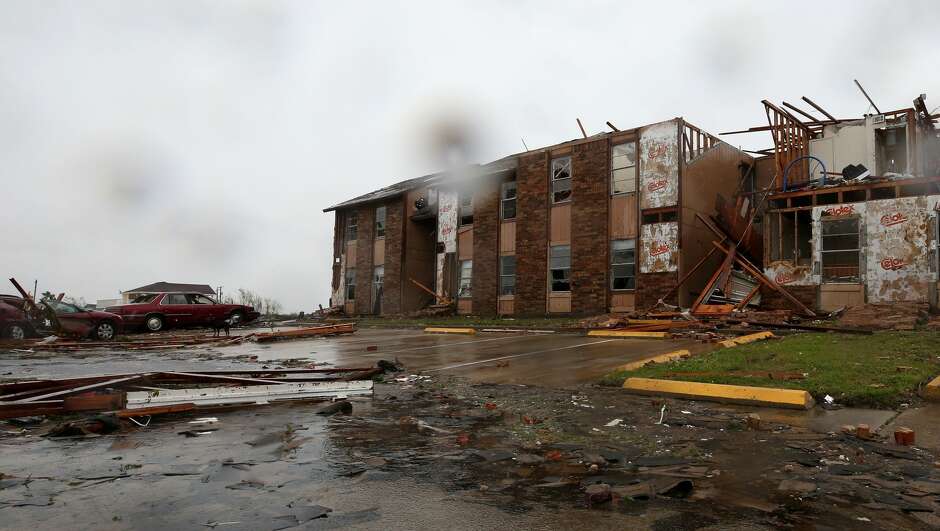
56 317
14 323
181 310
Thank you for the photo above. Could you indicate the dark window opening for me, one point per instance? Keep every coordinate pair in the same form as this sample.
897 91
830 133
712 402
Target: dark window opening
827 199
380 222
660 216
508 200
853 196
561 180
886 192
671 215
350 284
378 284
560 267
623 264
790 236
507 275
913 190
840 249
465 286
802 200
466 208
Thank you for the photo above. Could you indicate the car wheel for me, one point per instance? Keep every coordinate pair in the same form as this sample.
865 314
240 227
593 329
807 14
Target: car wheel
16 331
236 318
155 323
105 331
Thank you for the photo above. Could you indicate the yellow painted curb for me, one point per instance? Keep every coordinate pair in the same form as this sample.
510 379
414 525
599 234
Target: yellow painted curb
662 358
743 340
931 391
735 394
627 333
439 330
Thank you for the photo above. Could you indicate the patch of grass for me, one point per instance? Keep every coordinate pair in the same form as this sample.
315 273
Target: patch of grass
469 320
880 370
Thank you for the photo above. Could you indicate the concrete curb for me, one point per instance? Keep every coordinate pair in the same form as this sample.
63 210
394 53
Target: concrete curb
931 391
442 330
662 358
627 333
734 394
743 340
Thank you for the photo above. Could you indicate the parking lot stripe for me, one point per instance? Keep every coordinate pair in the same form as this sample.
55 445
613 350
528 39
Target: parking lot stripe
445 345
459 365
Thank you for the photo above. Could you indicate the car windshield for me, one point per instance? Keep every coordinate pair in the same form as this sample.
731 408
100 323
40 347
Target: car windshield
143 299
62 307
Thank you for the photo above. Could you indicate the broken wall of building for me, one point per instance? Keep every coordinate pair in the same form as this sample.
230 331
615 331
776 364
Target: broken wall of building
419 255
899 265
659 165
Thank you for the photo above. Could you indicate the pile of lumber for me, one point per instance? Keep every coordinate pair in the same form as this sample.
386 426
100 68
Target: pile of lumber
151 393
303 333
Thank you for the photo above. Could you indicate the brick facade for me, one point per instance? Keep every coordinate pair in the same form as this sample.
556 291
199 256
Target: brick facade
364 247
486 247
532 234
589 227
653 286
394 248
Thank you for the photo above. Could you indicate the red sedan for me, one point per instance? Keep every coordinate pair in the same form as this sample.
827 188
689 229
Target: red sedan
55 317
179 310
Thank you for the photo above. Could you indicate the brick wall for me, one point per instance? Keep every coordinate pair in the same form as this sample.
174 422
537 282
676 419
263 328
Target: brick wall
338 242
532 234
772 300
364 243
486 247
652 286
394 246
589 227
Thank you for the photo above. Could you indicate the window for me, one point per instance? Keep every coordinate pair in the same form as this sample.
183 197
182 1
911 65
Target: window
380 222
561 180
350 284
174 298
466 279
199 299
144 299
790 235
560 265
507 275
623 168
466 208
840 249
623 264
508 201
663 216
352 226
378 282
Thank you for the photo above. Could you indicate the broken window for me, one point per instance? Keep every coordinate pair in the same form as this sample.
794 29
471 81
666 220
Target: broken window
350 284
508 201
174 298
507 275
840 249
790 236
378 282
464 287
560 266
352 226
466 208
380 222
623 264
623 168
561 180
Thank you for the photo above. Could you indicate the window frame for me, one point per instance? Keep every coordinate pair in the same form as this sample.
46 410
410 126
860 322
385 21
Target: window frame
465 283
380 225
350 275
823 251
503 275
551 269
352 226
462 209
503 200
559 164
613 169
614 264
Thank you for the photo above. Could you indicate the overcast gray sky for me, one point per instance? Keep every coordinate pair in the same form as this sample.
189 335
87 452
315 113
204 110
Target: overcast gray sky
199 141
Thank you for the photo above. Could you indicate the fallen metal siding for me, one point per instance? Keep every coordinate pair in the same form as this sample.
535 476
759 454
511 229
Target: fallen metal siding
659 249
659 165
254 394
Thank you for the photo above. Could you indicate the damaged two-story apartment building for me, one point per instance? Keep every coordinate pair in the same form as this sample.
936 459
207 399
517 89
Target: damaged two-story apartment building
602 223
850 206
